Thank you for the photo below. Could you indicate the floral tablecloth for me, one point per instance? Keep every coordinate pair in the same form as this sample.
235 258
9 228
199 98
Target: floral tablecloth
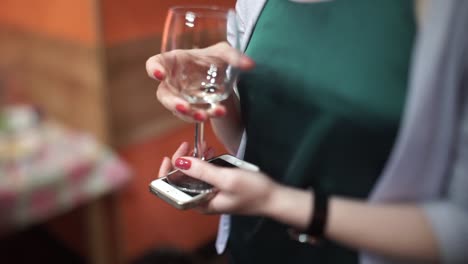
46 169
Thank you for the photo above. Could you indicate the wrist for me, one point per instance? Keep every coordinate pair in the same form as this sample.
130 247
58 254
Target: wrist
270 206
290 206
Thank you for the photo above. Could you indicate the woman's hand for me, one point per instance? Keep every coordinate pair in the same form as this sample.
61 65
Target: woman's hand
158 68
241 191
238 191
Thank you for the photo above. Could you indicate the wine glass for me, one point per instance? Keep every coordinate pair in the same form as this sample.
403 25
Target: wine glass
201 77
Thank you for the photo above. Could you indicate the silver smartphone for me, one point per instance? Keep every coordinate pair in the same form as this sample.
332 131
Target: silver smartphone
181 199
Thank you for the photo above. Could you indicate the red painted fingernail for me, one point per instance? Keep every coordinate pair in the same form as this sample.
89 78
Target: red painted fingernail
199 116
158 75
183 164
220 112
181 109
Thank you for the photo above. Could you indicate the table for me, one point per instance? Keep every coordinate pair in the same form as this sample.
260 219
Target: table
47 169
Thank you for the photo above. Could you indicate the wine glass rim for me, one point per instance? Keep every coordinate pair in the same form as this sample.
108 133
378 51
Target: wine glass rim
196 9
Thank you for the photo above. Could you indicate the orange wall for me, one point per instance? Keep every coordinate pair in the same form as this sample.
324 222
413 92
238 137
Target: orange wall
127 19
76 19
67 19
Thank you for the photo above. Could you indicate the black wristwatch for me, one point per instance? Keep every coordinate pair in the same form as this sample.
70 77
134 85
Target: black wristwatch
316 228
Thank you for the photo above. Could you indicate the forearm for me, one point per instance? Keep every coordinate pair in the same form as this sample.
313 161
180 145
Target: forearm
228 129
399 231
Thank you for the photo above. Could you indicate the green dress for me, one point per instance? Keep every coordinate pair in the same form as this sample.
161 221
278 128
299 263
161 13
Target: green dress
321 109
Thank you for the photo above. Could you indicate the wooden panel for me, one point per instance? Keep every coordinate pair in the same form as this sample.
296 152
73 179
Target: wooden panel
135 113
62 77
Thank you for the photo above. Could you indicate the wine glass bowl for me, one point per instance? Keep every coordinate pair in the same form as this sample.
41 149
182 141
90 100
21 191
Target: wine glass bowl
202 80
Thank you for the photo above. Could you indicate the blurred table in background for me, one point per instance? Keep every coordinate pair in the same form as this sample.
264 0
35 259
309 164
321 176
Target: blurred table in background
47 170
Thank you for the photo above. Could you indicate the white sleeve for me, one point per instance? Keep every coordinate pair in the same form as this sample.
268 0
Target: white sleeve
239 23
449 223
449 218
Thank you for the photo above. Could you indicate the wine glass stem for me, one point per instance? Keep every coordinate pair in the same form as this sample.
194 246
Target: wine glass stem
199 141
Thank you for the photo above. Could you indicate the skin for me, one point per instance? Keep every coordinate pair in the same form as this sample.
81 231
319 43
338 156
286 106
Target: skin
395 230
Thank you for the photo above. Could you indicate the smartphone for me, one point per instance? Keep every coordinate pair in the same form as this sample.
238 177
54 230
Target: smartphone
181 199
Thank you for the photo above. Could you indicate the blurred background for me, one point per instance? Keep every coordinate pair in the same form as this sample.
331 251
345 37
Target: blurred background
82 135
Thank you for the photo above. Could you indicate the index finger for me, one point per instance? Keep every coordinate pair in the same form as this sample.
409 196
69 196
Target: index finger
155 67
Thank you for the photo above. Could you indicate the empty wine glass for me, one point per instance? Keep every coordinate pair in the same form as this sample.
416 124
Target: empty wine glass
197 69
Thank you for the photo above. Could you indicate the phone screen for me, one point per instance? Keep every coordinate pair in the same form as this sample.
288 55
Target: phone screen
188 193
217 162
222 163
